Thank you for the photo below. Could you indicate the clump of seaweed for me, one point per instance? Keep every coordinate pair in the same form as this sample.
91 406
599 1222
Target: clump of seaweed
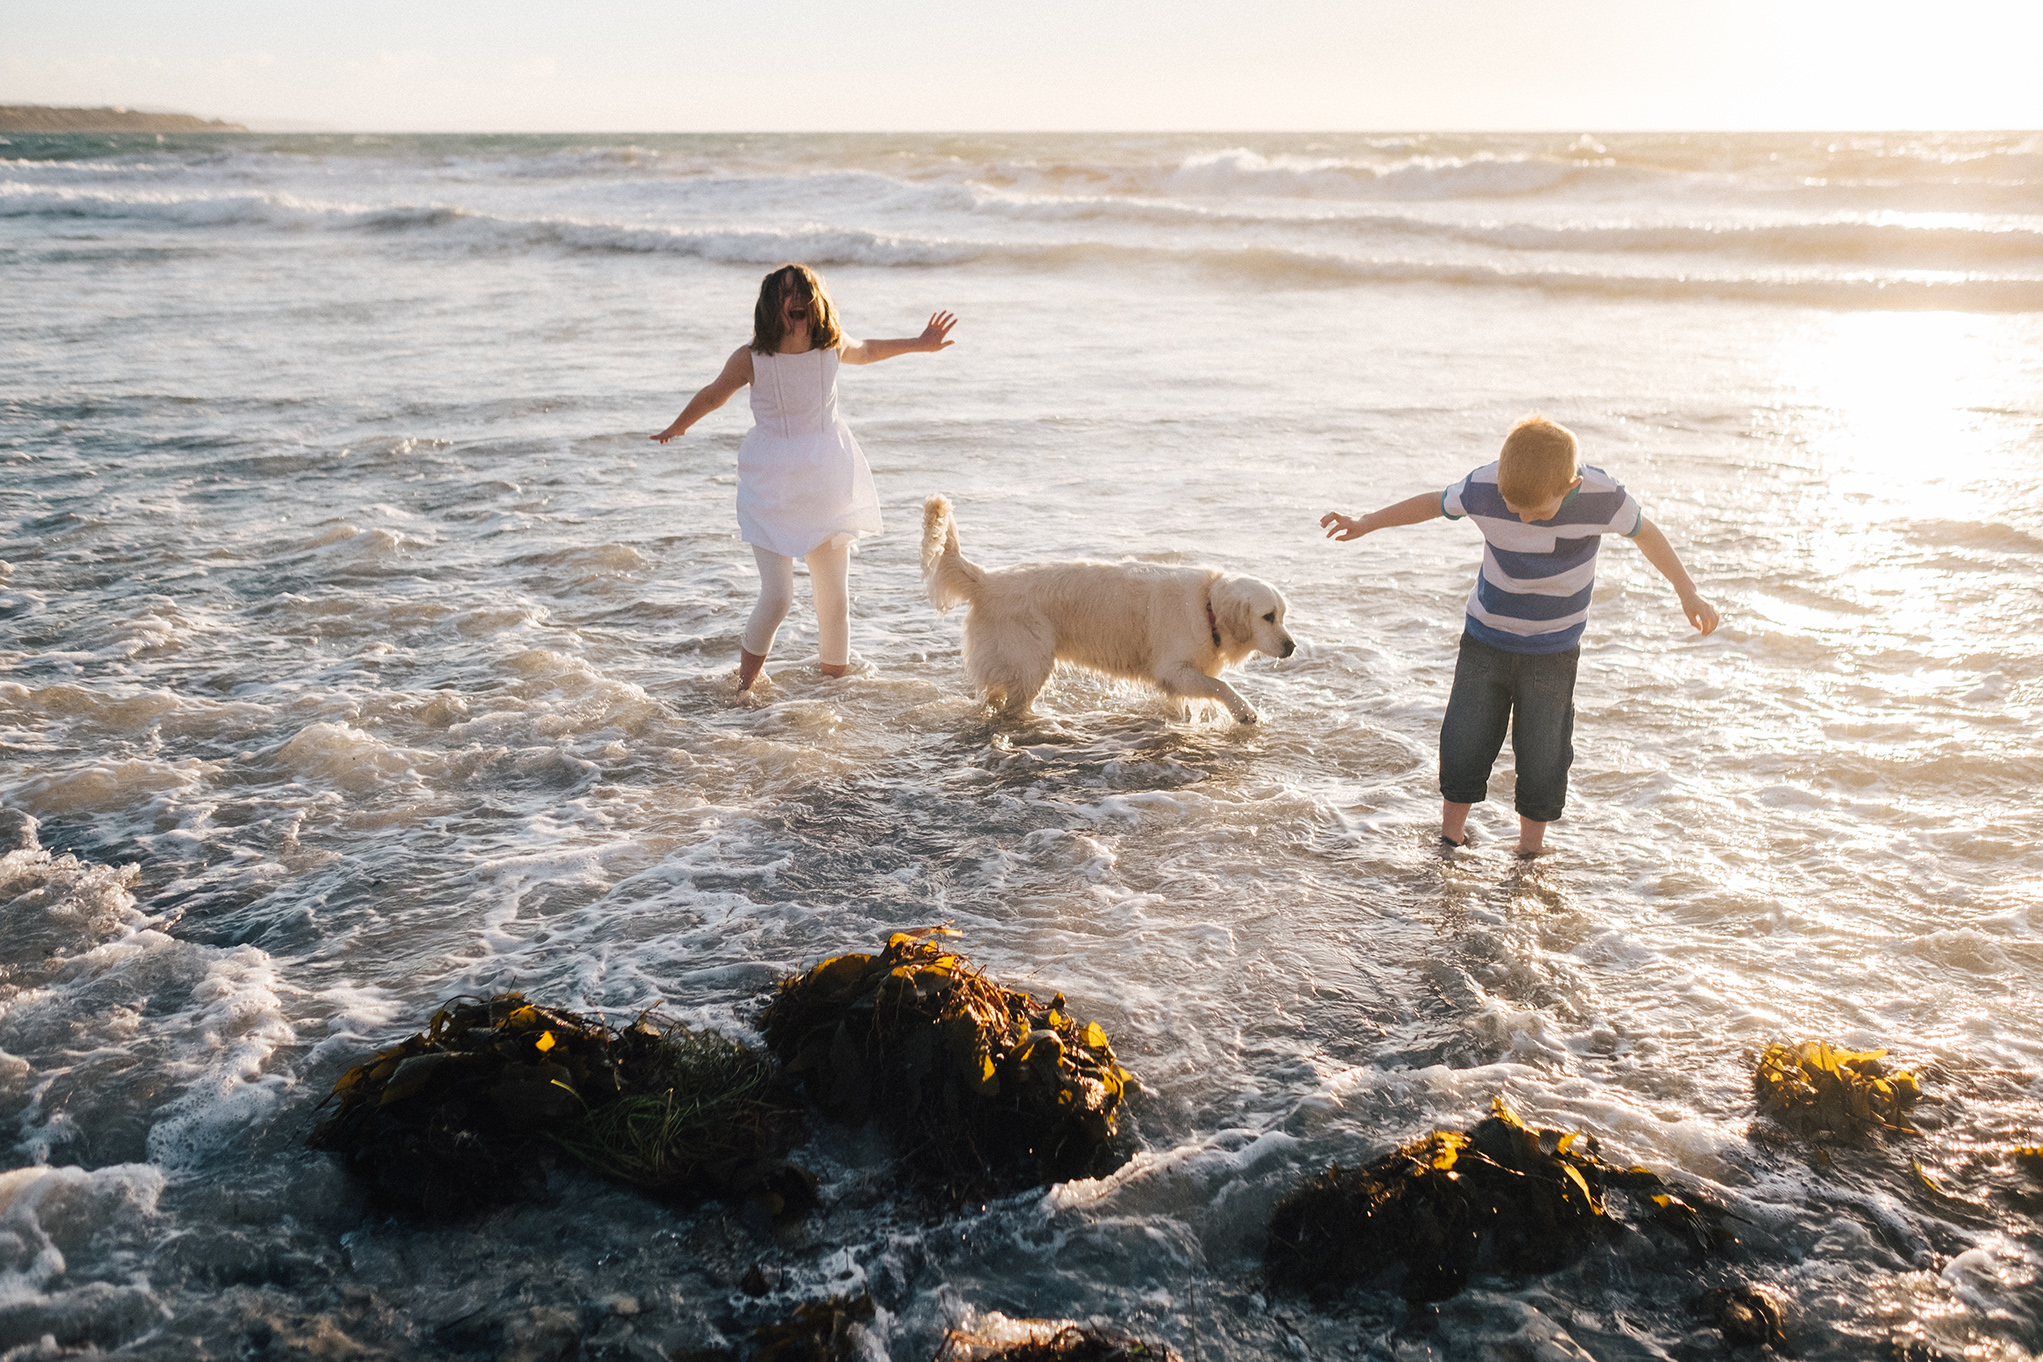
457 1117
1532 1200
1816 1089
999 1339
2027 1198
1695 1221
983 1087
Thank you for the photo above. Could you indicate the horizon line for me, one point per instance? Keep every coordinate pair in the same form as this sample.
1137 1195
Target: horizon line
286 126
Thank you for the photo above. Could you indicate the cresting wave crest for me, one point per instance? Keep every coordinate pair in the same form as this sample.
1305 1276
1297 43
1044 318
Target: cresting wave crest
1920 240
1483 175
1376 250
1937 221
1590 166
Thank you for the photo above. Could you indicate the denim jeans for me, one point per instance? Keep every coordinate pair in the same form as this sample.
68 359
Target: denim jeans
1535 694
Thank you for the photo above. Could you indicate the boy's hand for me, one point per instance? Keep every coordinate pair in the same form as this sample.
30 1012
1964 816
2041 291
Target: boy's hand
1414 510
1700 613
1341 528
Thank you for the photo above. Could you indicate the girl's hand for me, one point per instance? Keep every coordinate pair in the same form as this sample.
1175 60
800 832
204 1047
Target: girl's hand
932 337
670 432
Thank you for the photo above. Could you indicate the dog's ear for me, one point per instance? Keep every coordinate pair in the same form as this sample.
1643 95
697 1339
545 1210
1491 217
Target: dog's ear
1232 609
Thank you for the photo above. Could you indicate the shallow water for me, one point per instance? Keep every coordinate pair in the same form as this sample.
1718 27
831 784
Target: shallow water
361 651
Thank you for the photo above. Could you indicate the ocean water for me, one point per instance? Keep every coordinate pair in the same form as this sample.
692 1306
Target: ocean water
359 650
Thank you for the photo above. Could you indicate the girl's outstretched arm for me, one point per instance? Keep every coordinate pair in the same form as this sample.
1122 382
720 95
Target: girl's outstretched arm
930 341
737 373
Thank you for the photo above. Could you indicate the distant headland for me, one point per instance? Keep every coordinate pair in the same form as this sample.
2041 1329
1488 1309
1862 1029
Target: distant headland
38 118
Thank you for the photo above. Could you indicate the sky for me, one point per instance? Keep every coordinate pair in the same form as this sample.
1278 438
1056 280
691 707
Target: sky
921 65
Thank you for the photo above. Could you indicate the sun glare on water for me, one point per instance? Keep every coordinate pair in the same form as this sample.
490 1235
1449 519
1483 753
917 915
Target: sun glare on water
1905 419
1904 406
1905 443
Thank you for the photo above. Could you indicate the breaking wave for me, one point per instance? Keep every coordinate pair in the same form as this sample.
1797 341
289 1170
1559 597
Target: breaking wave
1933 244
216 210
1783 217
1239 171
1866 243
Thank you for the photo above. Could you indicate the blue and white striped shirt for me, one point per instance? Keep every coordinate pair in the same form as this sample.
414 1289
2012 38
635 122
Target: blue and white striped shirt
1532 595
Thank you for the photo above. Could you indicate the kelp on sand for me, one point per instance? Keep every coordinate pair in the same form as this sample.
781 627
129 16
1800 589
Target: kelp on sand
1815 1089
458 1117
1532 1200
984 1088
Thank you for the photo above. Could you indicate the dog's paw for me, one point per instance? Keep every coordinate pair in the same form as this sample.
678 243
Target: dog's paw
1248 716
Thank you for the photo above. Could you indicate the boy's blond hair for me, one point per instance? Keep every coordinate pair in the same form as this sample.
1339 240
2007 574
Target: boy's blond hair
1537 462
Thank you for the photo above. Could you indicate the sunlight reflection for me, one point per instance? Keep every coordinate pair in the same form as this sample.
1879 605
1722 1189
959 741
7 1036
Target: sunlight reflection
1906 417
1907 400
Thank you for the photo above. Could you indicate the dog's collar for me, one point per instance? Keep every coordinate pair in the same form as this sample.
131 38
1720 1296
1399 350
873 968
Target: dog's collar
1212 623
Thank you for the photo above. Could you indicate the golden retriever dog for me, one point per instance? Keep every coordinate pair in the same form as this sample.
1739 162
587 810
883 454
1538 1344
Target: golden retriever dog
1174 627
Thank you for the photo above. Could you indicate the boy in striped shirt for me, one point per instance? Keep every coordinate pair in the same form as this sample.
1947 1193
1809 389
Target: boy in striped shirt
1542 518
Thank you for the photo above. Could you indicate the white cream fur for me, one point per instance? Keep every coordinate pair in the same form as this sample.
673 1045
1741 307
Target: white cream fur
1142 621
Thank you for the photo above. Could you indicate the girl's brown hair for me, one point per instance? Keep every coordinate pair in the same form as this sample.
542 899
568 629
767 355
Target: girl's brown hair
769 324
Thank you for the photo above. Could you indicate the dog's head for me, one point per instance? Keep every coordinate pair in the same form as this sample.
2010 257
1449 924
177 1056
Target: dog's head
1250 617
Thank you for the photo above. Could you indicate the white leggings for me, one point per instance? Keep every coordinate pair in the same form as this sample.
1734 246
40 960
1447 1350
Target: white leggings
829 582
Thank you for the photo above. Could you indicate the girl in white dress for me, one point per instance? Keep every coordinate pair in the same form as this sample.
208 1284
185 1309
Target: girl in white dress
804 489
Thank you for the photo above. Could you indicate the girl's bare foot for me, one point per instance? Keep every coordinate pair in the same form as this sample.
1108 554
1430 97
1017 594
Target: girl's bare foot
835 668
748 668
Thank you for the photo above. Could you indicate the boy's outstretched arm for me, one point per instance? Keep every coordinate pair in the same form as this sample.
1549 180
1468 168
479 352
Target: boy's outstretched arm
737 372
933 338
1411 511
1661 555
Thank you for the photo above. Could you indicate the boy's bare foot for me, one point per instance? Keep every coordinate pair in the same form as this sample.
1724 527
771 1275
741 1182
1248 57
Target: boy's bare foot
1454 823
1531 838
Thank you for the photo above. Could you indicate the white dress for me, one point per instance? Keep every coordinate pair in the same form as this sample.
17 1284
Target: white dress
803 482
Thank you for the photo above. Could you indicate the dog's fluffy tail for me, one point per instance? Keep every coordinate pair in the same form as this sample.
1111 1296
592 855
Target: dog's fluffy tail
951 578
